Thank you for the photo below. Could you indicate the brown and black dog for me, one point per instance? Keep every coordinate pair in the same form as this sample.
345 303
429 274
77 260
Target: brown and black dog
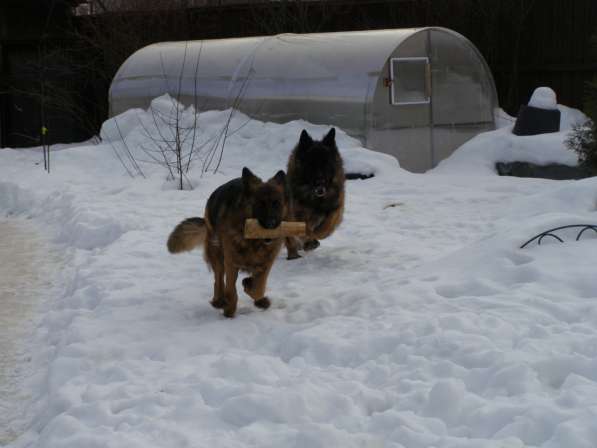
316 179
222 232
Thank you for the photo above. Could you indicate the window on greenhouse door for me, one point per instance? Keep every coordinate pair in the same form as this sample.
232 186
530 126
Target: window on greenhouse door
410 81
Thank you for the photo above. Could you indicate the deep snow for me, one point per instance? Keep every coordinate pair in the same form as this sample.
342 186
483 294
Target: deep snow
419 323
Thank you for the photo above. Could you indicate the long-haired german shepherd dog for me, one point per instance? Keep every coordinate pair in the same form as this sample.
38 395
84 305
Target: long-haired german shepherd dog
316 179
221 231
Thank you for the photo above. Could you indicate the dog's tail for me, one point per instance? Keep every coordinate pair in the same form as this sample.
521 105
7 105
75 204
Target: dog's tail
187 235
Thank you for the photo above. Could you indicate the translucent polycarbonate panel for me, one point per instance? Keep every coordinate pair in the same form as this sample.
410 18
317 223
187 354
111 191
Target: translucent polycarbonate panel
324 78
316 81
410 82
385 115
463 93
447 138
462 101
463 90
402 130
411 146
196 72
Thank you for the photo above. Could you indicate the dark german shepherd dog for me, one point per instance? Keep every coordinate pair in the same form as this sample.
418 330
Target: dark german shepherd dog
222 232
316 181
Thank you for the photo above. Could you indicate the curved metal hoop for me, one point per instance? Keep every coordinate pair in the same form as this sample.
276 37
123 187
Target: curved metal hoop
583 228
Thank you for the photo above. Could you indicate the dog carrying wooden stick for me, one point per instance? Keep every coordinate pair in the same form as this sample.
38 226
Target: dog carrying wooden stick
222 232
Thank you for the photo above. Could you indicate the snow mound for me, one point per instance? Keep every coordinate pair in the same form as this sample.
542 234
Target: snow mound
119 127
480 154
571 117
503 119
149 134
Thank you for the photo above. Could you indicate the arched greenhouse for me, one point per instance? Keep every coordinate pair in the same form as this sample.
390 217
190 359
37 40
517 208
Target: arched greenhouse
417 93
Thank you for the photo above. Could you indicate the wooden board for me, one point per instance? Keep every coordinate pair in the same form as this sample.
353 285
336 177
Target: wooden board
254 231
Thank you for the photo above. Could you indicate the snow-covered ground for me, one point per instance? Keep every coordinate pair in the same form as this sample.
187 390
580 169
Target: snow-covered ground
419 323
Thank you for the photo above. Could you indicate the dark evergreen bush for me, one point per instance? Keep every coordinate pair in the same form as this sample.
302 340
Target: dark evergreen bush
583 138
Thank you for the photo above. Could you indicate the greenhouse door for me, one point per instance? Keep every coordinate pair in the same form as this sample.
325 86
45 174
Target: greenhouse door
410 99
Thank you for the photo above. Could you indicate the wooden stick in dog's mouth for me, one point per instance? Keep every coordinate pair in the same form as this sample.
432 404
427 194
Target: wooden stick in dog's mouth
254 231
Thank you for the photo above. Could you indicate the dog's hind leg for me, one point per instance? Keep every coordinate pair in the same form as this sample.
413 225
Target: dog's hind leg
255 287
215 259
219 298
230 289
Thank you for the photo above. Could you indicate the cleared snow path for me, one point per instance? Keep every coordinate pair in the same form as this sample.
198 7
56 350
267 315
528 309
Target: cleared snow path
25 267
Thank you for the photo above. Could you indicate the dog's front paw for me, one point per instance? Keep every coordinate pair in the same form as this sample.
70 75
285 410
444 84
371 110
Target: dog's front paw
293 256
219 303
311 245
263 303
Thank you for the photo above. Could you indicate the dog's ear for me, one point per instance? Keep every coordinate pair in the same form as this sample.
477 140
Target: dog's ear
305 141
280 177
330 138
250 181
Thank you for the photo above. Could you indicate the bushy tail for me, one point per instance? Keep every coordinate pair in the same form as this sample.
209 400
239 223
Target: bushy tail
187 235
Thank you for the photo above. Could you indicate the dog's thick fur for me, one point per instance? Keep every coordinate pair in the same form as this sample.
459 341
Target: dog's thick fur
316 180
221 231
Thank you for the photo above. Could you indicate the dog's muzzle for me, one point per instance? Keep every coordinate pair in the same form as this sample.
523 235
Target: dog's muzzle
269 223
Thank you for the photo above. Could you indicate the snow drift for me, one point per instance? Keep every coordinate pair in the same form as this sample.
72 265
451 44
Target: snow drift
480 154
